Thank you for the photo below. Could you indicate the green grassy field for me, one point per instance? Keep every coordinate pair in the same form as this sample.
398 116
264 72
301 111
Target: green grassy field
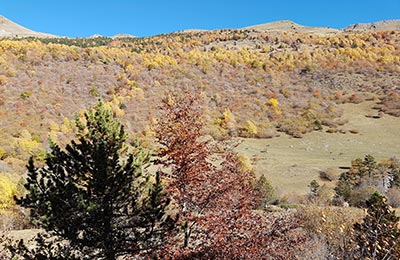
290 164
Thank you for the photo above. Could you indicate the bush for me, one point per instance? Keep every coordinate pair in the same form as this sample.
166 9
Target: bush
295 126
393 197
249 129
265 191
360 195
245 164
8 189
267 132
331 229
26 94
3 80
330 174
14 219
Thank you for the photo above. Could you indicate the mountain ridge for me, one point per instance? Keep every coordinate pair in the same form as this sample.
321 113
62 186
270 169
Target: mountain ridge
10 29
291 26
385 25
288 25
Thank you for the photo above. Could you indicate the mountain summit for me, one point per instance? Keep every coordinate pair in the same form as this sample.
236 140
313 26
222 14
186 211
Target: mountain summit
9 29
290 26
387 25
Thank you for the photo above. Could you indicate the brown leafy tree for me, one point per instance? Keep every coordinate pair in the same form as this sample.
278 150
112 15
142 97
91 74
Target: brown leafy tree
215 200
378 236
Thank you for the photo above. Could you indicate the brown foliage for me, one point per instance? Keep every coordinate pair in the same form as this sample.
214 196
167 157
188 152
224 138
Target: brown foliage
378 235
391 104
215 199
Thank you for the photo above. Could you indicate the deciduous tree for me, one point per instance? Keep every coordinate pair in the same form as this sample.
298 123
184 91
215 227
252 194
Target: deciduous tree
214 198
378 236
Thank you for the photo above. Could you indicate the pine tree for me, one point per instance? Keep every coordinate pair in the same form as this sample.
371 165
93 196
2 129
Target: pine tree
94 193
265 192
315 189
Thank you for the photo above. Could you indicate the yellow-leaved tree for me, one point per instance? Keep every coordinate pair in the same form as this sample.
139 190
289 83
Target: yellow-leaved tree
7 191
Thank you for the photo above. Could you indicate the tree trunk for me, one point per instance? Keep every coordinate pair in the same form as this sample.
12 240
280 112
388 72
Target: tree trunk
109 245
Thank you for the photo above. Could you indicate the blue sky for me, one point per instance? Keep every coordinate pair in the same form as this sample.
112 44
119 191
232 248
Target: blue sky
82 18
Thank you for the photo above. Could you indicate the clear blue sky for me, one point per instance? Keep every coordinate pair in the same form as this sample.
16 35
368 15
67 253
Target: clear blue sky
82 18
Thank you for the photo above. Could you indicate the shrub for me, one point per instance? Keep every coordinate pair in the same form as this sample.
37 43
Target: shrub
26 94
330 174
266 131
3 80
314 188
94 91
266 193
8 189
393 197
228 122
245 164
3 154
331 229
295 126
249 129
360 194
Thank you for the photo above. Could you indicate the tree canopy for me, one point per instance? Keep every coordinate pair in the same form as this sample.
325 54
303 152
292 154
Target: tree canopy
95 193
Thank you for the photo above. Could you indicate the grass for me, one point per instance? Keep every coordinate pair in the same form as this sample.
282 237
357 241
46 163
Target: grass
290 164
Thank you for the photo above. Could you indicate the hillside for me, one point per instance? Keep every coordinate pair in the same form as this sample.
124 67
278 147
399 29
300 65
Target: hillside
255 83
289 26
10 29
298 104
388 25
302 160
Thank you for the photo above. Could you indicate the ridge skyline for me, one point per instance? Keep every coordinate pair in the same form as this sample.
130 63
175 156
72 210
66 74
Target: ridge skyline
9 28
